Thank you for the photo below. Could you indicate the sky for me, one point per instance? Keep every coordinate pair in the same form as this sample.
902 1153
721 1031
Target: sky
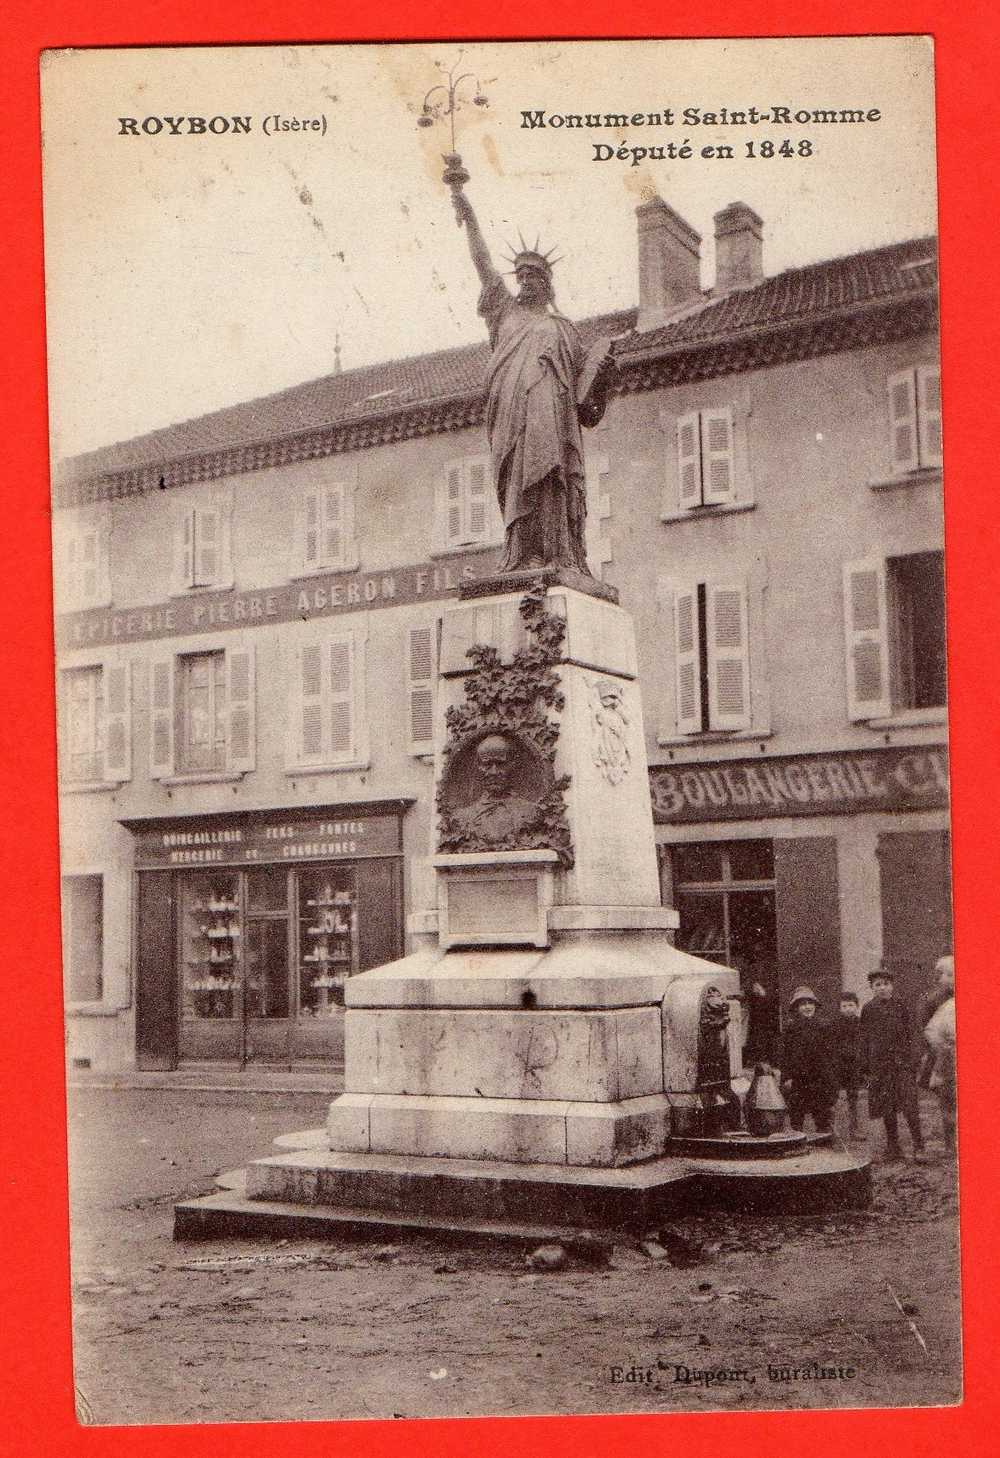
186 273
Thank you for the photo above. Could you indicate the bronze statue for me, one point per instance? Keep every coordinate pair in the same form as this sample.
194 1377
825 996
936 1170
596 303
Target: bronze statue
543 386
497 815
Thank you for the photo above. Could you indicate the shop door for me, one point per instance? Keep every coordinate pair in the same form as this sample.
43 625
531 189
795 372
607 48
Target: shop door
915 883
264 955
266 966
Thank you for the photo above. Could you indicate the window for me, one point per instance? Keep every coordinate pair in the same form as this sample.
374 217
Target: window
422 657
95 713
83 572
724 895
915 419
468 514
711 658
203 714
705 458
325 529
83 759
201 718
327 728
204 545
895 635
83 937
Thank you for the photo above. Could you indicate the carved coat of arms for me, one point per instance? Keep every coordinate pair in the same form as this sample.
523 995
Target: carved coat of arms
609 730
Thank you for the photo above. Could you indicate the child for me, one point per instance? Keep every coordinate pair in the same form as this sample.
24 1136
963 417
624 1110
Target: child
887 1055
847 1056
808 1075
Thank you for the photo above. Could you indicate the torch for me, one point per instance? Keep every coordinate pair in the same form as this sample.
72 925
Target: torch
455 176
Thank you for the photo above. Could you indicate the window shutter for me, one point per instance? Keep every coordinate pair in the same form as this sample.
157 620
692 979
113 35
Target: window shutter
717 455
728 656
929 414
104 565
307 713
224 564
161 752
90 567
686 661
71 556
341 698
185 550
478 484
310 529
689 460
241 701
333 525
866 637
903 421
117 721
206 545
453 504
421 673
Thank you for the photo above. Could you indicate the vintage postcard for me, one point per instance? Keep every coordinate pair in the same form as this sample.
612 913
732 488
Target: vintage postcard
503 761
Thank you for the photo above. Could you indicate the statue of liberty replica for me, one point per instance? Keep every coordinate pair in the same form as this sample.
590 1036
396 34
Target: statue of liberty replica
543 386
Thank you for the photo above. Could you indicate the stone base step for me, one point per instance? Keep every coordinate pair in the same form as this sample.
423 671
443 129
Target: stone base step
231 1214
452 1192
632 1198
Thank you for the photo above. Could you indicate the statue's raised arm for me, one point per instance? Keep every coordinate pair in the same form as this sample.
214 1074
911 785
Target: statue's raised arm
477 243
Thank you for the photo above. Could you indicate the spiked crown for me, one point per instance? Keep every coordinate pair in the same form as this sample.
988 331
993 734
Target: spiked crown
527 257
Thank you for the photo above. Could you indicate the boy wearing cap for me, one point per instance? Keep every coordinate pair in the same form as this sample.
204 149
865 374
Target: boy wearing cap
808 1076
847 1056
888 1055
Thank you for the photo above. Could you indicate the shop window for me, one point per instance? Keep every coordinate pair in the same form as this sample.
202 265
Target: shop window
203 548
895 635
203 714
325 529
210 945
915 419
328 938
83 937
327 722
711 658
467 510
724 893
95 712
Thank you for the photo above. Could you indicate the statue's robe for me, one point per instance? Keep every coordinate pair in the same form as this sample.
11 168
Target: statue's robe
533 423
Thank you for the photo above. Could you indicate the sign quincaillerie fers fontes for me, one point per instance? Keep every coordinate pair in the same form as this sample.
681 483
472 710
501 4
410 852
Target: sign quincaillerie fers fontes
339 833
847 782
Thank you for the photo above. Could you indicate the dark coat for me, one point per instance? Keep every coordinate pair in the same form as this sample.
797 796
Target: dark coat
888 1055
807 1059
846 1037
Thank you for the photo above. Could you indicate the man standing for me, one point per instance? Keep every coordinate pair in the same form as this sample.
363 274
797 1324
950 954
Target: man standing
533 412
888 1055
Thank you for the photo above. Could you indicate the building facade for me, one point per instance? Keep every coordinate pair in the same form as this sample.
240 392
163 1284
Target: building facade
247 609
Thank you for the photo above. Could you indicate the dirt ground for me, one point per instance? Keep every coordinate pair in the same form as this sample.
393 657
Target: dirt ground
251 1330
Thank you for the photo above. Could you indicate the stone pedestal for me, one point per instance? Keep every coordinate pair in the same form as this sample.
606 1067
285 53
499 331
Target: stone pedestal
531 1029
538 1056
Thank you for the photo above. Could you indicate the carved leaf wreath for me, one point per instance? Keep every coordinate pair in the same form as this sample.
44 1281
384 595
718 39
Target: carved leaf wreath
515 698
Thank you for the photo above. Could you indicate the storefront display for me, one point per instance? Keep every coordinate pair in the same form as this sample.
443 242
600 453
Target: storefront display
247 962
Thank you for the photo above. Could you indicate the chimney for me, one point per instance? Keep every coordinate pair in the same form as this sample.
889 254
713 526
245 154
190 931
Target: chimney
669 259
739 247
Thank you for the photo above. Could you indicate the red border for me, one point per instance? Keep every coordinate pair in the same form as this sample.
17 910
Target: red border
37 1410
